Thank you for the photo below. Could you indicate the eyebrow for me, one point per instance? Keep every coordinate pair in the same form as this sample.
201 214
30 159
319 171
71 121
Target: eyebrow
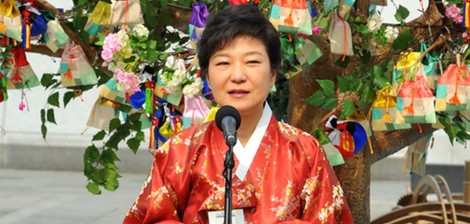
246 54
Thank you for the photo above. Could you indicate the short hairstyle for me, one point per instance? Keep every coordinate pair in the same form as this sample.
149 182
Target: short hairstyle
234 21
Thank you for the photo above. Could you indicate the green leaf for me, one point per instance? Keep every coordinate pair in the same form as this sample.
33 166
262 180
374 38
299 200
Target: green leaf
152 55
140 135
93 188
403 41
463 135
109 156
113 141
343 83
327 86
112 184
362 29
43 131
401 14
316 99
330 103
451 133
43 116
46 79
347 109
133 144
99 136
91 154
51 116
114 124
379 76
67 97
54 99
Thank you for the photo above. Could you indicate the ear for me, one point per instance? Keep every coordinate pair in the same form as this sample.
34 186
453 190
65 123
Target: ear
273 77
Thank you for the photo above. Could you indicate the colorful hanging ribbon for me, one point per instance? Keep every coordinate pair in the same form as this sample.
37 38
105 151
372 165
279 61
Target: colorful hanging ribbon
466 14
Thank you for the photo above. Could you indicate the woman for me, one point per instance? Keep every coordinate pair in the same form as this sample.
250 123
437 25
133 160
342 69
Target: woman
281 173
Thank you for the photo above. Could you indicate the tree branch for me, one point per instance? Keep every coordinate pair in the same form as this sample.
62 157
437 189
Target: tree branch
91 53
44 50
182 16
387 143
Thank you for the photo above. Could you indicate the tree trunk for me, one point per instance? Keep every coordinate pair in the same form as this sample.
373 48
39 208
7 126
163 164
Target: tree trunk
354 176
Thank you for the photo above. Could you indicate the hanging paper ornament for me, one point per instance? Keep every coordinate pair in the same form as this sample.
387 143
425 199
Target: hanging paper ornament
8 8
137 99
195 110
75 69
34 23
126 12
20 74
198 21
11 20
334 156
348 136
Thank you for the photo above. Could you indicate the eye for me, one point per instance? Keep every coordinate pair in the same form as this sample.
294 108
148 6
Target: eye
221 63
253 62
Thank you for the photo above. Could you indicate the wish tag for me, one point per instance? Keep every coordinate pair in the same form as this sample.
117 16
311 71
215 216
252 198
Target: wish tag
217 217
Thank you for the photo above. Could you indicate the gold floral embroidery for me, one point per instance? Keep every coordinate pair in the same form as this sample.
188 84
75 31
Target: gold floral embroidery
307 192
336 204
177 168
244 195
200 132
163 148
288 204
287 129
157 196
215 200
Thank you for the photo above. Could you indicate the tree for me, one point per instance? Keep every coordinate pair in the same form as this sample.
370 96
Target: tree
364 74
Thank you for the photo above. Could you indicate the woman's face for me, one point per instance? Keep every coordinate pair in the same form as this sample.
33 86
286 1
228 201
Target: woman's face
240 75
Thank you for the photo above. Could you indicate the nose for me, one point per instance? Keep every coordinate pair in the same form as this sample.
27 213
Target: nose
238 73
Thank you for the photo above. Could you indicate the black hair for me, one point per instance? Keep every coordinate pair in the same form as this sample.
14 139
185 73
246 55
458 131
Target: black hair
234 21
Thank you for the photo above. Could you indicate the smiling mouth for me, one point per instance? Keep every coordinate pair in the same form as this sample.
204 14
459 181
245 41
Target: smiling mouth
238 92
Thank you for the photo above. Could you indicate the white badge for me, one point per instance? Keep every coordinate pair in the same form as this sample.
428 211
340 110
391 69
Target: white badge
217 217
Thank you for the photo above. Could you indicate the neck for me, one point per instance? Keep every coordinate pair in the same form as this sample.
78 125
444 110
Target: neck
248 126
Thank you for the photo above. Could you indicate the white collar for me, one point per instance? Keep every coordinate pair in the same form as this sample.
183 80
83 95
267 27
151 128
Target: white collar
245 155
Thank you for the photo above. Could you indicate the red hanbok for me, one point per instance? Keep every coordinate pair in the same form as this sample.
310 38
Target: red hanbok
288 181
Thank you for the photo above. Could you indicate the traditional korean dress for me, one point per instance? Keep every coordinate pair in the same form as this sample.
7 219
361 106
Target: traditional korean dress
280 176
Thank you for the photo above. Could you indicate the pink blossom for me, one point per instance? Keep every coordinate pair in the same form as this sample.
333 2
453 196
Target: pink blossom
22 106
453 12
133 83
112 43
464 35
107 54
129 80
317 30
121 76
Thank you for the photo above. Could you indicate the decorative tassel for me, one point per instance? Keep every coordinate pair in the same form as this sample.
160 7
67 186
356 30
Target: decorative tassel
455 99
153 144
22 104
16 77
149 97
68 73
410 108
26 42
387 118
466 14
